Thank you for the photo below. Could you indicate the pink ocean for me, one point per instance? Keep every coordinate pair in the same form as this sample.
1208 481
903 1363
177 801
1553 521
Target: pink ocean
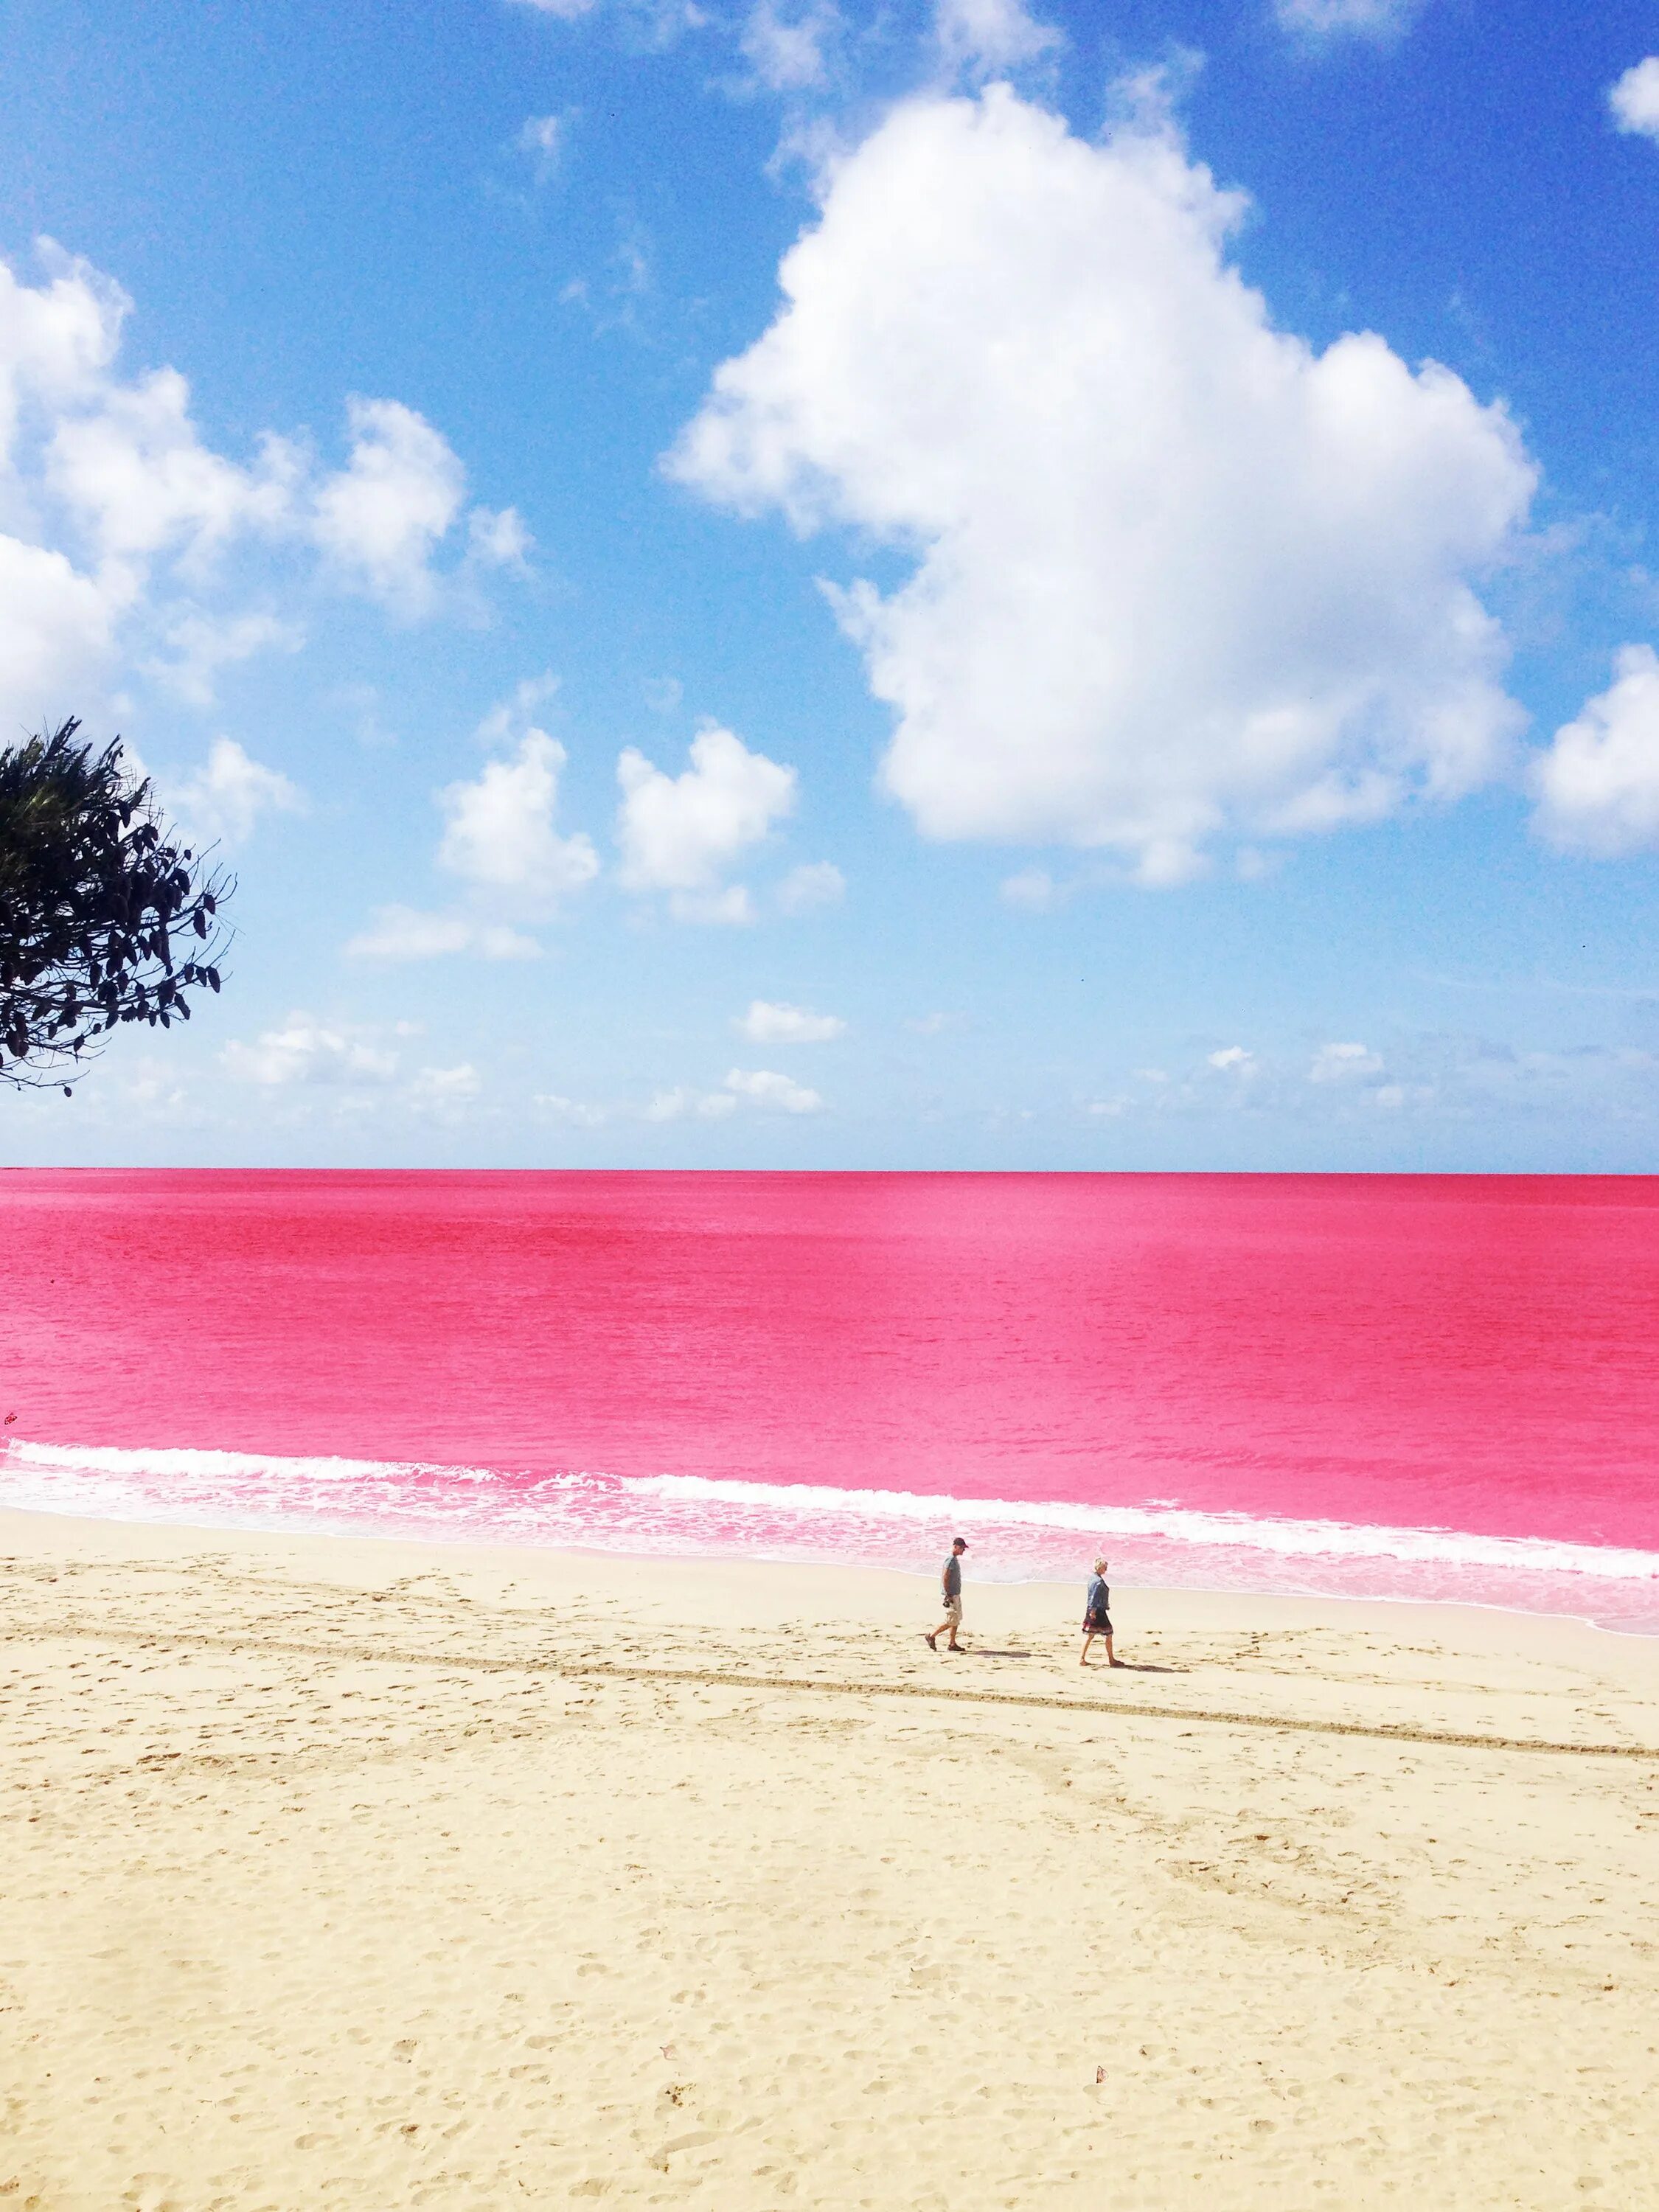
1439 1387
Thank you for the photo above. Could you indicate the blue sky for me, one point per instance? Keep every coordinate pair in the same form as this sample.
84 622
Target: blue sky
1132 648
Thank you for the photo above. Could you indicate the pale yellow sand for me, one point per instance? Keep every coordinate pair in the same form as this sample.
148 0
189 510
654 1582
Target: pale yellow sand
330 1878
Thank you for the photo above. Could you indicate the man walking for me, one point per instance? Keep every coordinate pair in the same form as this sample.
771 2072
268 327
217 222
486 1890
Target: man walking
950 1583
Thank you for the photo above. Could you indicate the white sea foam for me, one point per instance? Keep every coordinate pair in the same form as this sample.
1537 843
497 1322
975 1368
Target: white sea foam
228 1467
1178 1524
257 1482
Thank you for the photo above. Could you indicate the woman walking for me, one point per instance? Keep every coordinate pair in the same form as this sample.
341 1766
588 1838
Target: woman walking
1097 1616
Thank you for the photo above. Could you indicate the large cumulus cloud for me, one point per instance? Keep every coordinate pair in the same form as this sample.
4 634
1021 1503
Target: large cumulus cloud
1178 575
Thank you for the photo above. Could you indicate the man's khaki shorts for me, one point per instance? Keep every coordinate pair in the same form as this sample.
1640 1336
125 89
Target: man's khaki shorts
953 1611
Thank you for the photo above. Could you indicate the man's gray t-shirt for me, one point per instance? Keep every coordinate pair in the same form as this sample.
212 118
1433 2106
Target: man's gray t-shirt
953 1576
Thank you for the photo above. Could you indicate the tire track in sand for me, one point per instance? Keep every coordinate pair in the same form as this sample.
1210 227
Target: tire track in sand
607 1670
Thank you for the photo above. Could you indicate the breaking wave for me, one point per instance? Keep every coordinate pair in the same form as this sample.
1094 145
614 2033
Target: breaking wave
1155 1542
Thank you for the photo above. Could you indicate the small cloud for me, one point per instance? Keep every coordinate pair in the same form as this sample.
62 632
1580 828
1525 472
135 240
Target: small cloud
202 646
1344 1063
765 1087
1598 785
983 37
362 702
1165 863
681 834
499 830
769 1023
1379 19
732 908
1033 889
561 11
306 1050
663 694
509 718
541 140
573 1113
1634 100
402 932
676 1104
445 1086
381 517
933 1024
224 800
1234 1059
815 883
498 538
785 45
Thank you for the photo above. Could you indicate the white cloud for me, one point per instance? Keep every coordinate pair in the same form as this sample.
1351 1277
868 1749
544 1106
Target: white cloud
1598 785
784 45
56 339
770 1021
1180 576
401 932
306 1050
509 718
1344 1063
542 139
663 694
1634 99
115 507
381 517
564 11
572 1112
498 538
203 644
499 830
731 908
764 1087
991 34
57 633
1234 1059
1333 19
815 883
156 1092
445 1086
1032 888
676 1104
224 800
681 834
139 477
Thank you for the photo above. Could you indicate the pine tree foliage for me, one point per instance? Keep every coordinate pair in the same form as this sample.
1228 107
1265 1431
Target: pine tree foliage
105 916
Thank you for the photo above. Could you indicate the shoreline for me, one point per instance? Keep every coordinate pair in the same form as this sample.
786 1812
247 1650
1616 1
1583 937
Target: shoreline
368 1870
481 1550
718 1591
1612 1585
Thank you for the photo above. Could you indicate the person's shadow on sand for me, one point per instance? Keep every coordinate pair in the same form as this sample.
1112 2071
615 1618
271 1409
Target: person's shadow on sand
1129 1666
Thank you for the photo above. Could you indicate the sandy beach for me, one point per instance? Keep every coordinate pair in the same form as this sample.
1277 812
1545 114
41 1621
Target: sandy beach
343 1873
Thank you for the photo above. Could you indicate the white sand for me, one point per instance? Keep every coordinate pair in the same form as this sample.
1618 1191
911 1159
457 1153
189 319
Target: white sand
330 1878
